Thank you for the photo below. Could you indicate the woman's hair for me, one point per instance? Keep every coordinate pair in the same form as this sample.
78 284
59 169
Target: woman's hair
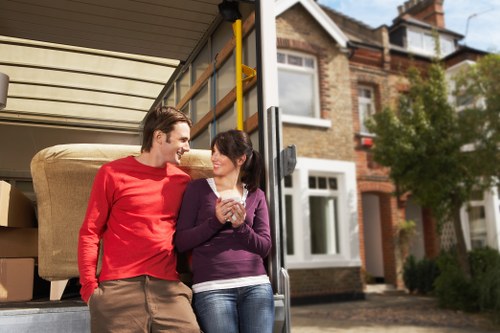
164 119
234 144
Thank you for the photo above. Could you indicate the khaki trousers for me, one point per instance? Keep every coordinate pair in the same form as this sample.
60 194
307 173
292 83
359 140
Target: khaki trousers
142 304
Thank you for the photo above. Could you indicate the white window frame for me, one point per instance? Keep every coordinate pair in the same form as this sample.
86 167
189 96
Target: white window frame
363 101
348 237
327 193
422 41
491 204
450 75
444 49
315 119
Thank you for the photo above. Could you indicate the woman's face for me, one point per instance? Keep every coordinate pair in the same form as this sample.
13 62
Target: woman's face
221 163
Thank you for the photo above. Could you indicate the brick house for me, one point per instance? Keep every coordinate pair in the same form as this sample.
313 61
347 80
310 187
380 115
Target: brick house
323 256
334 72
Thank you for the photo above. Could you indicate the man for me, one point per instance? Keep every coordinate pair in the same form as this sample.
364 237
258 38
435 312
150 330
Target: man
133 209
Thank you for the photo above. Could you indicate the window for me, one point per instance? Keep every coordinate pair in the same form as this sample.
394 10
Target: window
366 106
298 84
447 45
320 214
323 220
423 41
459 96
463 100
477 225
475 216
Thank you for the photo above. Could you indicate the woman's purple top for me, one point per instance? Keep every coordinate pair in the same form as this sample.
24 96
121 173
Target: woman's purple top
219 251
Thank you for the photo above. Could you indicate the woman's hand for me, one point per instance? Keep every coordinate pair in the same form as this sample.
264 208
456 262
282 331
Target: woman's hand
238 215
224 210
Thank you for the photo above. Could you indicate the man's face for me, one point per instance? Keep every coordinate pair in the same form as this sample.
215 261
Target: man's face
176 144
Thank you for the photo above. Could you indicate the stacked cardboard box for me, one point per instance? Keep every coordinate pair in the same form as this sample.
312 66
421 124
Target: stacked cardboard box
18 244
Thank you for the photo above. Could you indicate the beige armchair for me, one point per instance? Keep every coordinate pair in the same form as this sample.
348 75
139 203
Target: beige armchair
62 180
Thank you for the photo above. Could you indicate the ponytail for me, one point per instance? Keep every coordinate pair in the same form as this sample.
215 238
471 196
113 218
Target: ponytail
252 171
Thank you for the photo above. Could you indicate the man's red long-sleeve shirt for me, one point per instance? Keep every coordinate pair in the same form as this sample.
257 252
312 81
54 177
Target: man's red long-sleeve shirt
133 208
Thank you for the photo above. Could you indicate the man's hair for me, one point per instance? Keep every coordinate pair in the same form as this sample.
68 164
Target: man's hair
163 119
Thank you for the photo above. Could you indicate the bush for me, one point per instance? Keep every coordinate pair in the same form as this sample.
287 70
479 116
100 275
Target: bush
445 279
452 289
427 272
485 271
419 276
480 292
410 274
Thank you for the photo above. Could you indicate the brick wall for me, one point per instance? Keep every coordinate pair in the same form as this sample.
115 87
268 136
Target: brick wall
371 177
297 30
325 281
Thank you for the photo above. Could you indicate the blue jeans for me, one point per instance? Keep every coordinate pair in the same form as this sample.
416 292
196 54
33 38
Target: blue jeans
244 310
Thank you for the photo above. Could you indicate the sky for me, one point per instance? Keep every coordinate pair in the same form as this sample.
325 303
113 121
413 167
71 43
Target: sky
483 17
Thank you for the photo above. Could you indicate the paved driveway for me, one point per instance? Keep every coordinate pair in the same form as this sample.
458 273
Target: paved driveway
392 312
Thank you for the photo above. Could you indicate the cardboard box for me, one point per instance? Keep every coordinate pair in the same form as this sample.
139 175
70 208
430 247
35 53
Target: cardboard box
16 209
18 242
16 279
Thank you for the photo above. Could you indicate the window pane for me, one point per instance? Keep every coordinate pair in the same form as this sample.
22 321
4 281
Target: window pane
429 43
332 182
323 225
295 60
308 62
366 107
312 182
464 99
447 46
322 182
296 93
364 115
365 112
364 92
477 195
281 58
289 225
288 181
477 224
414 39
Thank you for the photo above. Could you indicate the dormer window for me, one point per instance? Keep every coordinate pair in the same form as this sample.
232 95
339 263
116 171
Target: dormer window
422 41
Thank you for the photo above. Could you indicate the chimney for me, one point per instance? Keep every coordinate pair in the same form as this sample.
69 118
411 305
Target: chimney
429 11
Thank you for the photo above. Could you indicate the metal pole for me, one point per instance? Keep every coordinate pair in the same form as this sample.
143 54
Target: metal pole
239 74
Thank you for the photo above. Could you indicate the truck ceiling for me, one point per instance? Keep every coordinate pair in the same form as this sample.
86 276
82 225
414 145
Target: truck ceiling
95 63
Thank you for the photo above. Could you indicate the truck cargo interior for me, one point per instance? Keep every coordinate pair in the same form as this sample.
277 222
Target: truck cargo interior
88 72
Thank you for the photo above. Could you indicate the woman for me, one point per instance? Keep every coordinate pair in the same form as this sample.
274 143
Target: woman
224 220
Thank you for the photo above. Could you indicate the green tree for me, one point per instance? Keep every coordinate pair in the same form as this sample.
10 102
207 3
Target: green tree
427 144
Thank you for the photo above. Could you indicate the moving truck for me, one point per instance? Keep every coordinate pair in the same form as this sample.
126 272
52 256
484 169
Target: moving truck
87 72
